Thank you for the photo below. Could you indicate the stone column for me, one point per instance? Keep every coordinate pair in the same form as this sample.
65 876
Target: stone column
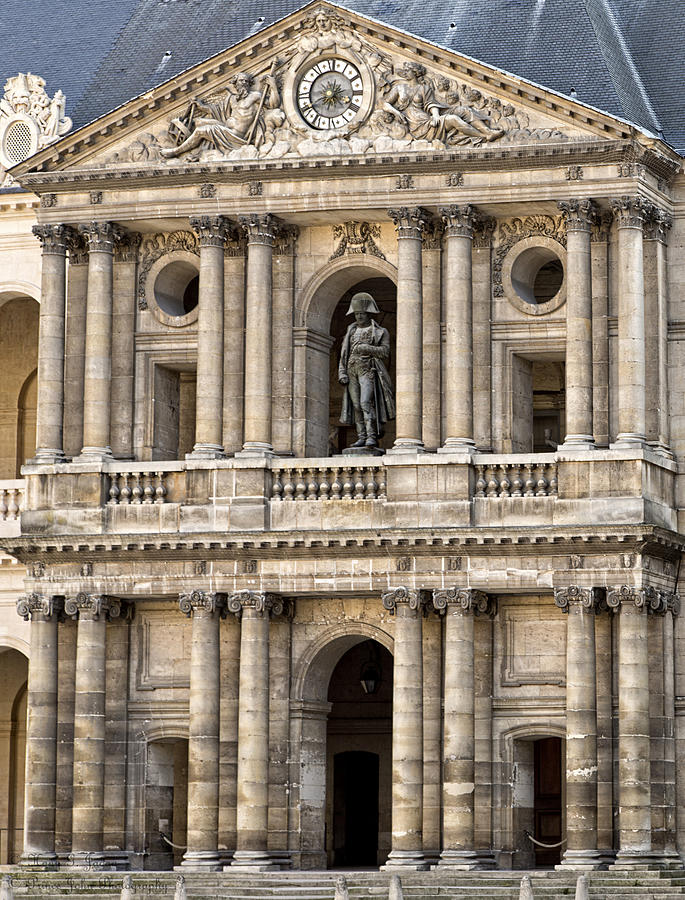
75 344
212 232
123 343
628 212
254 609
41 731
581 727
202 852
634 784
599 250
458 390
579 216
670 773
410 224
432 338
459 738
234 343
656 227
407 730
98 365
282 338
260 231
49 444
89 727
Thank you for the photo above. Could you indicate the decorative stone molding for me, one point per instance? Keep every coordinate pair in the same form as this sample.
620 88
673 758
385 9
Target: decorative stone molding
459 221
208 601
410 221
404 182
657 223
47 201
207 191
95 198
655 601
158 245
95 604
574 173
29 119
255 188
403 596
588 598
629 212
212 231
126 248
455 179
53 238
578 214
262 602
260 228
33 603
466 599
510 233
356 237
101 236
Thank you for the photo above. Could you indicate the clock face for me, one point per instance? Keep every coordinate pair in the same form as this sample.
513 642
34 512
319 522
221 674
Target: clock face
330 93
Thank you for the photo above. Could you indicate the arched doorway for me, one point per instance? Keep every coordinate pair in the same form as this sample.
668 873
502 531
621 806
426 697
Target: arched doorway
13 677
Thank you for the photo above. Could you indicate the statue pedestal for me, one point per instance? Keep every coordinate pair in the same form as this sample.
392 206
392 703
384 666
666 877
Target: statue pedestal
362 451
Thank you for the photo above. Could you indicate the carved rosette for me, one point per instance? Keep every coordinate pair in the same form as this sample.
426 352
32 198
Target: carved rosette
657 223
32 604
459 221
94 604
126 248
589 598
403 596
260 229
212 231
53 238
207 601
579 214
285 240
410 222
466 600
261 602
629 212
101 236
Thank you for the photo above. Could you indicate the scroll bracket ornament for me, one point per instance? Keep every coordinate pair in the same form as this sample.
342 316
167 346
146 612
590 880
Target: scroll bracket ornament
95 605
651 599
591 599
466 600
413 600
33 603
262 603
207 601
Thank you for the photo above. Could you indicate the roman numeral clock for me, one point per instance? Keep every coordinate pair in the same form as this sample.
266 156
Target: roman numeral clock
330 93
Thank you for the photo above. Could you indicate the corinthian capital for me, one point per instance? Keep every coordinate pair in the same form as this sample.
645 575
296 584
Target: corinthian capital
657 223
459 220
33 604
212 231
410 221
629 212
466 600
261 603
53 238
404 597
126 248
101 236
588 598
208 601
260 229
93 606
579 214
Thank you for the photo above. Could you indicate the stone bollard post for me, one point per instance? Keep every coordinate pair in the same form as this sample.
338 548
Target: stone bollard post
180 893
526 892
341 892
127 890
582 888
396 892
6 888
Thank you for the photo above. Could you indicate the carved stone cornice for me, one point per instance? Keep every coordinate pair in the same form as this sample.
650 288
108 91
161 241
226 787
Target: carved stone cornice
101 236
95 604
207 601
260 228
649 598
262 603
410 221
403 596
601 227
589 598
212 231
285 240
483 231
629 212
53 238
459 221
579 214
126 248
33 603
78 249
467 600
657 223
356 237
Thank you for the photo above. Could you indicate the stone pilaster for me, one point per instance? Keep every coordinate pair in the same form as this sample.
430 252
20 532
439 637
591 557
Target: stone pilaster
459 606
92 611
260 231
254 609
123 343
482 337
212 232
202 852
579 216
599 251
234 342
75 344
407 729
41 731
580 604
432 336
410 224
282 323
49 435
458 389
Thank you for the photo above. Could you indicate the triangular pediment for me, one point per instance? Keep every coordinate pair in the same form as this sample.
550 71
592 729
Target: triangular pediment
326 82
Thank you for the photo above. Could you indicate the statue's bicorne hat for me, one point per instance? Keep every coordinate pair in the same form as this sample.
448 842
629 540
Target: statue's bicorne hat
362 302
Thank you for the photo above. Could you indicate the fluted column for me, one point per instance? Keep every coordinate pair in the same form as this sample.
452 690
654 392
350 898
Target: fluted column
92 612
628 212
458 390
579 216
212 232
202 851
49 439
254 609
581 727
123 343
260 231
98 365
41 731
459 745
407 729
410 224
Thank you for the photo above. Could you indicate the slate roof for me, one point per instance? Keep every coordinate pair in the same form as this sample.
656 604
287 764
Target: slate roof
626 57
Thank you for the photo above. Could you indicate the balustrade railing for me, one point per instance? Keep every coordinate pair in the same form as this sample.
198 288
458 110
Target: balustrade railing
11 499
353 482
532 478
135 488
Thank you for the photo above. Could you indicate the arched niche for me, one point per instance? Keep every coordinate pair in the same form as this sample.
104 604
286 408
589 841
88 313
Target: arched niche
19 351
13 677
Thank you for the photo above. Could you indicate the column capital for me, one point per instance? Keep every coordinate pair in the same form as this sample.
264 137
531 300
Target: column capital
410 221
590 599
212 231
53 238
467 600
260 228
285 240
126 248
78 248
406 598
629 212
210 601
459 221
601 227
648 598
93 605
483 230
578 214
432 234
261 602
657 223
101 236
30 604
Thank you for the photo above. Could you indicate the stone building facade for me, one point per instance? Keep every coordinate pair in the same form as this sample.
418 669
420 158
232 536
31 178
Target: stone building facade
250 649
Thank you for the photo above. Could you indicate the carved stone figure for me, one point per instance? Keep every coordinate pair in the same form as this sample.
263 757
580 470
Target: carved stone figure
368 401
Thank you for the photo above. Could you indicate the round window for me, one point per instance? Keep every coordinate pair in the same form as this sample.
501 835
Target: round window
176 288
533 275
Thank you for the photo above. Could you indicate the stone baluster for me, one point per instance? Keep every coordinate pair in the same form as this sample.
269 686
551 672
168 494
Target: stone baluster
458 390
49 434
97 407
631 377
254 609
41 731
407 729
579 216
260 231
458 786
212 232
206 608
580 604
92 611
410 224
123 343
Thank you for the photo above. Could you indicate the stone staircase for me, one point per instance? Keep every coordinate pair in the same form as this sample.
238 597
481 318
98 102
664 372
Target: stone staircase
497 885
